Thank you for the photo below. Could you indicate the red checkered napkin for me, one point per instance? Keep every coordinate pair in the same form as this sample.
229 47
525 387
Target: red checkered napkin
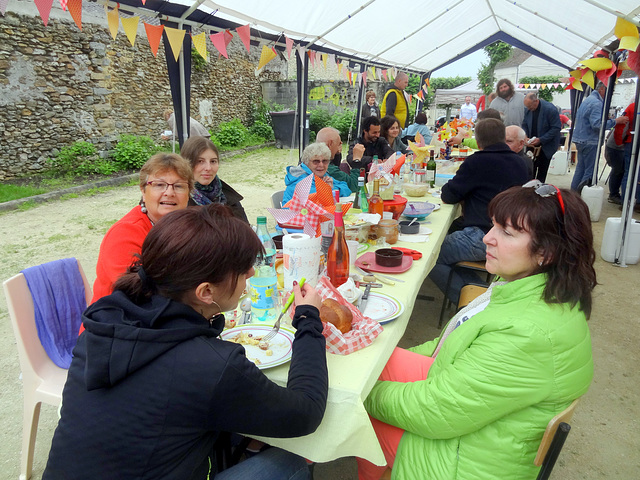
364 330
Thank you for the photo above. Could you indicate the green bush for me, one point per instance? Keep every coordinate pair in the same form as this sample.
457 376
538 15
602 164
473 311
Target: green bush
312 136
318 119
343 122
230 134
132 152
262 130
80 158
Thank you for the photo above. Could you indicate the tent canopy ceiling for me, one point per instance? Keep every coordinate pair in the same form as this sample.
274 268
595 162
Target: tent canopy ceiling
426 34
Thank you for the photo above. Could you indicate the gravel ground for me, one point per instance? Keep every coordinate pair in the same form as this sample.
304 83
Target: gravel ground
604 442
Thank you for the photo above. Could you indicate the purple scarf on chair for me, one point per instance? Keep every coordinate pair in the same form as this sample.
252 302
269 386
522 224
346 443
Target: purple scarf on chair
58 302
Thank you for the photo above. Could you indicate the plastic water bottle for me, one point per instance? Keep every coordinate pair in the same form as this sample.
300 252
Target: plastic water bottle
264 283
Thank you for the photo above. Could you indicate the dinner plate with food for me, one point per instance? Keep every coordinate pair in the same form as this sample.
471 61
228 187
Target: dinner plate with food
277 352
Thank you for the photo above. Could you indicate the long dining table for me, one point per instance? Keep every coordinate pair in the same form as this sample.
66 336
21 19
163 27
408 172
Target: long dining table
346 429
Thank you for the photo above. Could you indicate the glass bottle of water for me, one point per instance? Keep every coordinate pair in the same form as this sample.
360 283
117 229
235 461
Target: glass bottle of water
264 288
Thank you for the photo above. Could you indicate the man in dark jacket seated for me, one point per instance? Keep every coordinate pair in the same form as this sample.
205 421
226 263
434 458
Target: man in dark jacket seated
369 144
480 178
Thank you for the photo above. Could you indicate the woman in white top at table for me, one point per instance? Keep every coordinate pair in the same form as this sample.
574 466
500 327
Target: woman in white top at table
474 403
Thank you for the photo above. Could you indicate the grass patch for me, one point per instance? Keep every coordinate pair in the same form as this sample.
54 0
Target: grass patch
14 192
27 205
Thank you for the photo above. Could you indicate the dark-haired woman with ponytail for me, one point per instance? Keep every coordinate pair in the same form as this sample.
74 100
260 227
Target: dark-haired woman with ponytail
474 403
152 385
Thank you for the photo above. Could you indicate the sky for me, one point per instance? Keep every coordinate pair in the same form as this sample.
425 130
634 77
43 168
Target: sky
465 67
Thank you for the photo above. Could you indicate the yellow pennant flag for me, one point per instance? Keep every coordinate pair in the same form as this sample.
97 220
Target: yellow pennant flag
527 85
266 56
543 85
577 84
576 74
324 60
597 64
200 43
130 25
373 72
340 67
588 78
113 20
627 32
175 37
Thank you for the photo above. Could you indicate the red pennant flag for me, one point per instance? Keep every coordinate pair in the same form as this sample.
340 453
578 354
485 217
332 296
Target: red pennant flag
245 35
63 4
420 95
154 35
218 40
44 8
384 75
312 57
75 9
289 43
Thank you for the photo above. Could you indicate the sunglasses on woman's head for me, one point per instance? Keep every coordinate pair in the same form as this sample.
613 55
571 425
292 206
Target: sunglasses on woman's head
546 190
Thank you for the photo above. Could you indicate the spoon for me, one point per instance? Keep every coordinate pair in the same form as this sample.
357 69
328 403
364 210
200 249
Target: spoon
411 223
245 306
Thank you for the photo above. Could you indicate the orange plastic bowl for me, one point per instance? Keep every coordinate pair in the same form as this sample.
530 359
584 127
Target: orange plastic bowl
395 206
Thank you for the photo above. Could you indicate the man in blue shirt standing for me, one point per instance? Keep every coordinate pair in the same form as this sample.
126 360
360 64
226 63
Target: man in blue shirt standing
585 136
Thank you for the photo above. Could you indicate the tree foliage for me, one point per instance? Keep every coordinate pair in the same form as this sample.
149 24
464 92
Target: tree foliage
545 93
444 83
498 52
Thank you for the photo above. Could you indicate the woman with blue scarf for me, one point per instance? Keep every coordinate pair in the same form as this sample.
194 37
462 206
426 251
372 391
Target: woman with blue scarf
203 156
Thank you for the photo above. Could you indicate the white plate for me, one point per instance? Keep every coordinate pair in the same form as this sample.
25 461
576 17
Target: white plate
383 308
280 345
438 206
425 230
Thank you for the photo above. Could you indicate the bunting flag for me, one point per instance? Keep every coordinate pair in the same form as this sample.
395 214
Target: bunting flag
384 75
113 20
44 8
144 2
588 79
410 97
245 35
318 58
200 44
63 4
364 78
325 57
130 25
425 90
359 81
289 43
312 58
75 9
332 60
373 72
3 6
266 56
349 75
339 65
175 37
420 95
300 50
627 32
218 40
154 35
426 80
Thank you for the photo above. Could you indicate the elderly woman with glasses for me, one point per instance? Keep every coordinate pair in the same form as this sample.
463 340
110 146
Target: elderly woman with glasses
474 403
315 160
165 182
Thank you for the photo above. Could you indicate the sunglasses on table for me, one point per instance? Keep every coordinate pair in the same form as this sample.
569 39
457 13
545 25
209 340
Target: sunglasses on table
546 190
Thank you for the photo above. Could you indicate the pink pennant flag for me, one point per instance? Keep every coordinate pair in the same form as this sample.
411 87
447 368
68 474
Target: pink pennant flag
318 58
245 35
63 4
289 43
384 75
218 41
3 6
44 8
312 58
364 78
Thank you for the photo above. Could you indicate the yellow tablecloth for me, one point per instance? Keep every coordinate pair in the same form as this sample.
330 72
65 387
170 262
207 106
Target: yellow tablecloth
346 429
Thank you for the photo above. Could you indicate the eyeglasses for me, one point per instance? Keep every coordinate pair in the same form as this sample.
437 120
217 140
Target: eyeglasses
160 187
320 162
546 190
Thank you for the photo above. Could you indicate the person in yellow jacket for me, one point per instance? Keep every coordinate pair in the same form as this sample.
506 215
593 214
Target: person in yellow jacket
395 103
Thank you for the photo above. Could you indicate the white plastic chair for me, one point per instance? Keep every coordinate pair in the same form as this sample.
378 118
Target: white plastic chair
42 380
276 199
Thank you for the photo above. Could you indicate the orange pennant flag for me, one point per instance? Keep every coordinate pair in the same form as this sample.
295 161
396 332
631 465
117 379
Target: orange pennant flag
113 20
245 35
44 8
75 9
175 37
200 44
154 35
130 25
266 56
426 80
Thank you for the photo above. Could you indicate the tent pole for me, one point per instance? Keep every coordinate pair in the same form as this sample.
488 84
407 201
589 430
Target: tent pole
630 192
186 112
605 116
302 78
358 115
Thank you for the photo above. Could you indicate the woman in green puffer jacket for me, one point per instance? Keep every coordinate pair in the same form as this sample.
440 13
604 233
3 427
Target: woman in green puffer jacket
507 363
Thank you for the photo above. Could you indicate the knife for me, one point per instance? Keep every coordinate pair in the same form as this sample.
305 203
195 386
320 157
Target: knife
365 298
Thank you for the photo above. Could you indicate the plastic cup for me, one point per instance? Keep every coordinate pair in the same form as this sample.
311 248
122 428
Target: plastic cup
352 245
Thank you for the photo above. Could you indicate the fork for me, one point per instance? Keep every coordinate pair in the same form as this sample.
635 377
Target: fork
276 326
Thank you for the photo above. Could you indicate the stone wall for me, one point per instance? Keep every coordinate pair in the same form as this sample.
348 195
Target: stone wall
59 85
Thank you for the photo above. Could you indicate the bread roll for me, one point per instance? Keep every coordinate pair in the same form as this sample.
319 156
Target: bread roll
339 315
